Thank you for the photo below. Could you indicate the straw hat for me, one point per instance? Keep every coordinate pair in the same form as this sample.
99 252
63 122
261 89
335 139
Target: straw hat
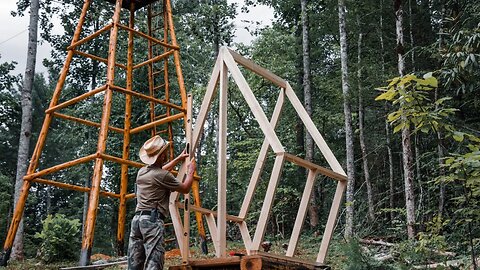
152 149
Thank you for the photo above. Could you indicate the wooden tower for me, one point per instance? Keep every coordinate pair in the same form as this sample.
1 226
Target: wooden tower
164 112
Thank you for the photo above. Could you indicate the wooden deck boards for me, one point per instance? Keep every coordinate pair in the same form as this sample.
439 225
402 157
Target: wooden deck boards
258 261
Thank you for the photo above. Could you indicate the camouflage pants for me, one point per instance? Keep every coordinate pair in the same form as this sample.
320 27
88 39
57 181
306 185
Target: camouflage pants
145 246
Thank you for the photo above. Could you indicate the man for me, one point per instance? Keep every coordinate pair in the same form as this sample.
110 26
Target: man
154 184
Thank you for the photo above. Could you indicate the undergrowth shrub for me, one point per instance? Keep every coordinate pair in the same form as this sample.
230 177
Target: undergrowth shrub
60 238
357 258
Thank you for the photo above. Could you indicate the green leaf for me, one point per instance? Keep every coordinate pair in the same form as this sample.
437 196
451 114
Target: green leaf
399 127
389 95
458 136
432 81
393 116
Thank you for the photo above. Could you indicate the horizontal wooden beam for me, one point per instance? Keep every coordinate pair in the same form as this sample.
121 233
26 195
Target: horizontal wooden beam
97 58
146 97
154 40
313 166
208 211
265 73
154 59
85 122
90 37
73 187
76 99
157 122
122 161
61 166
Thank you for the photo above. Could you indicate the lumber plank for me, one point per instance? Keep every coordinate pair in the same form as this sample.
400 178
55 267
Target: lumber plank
252 102
312 166
317 137
94 266
268 201
262 155
206 102
265 73
302 213
332 217
222 165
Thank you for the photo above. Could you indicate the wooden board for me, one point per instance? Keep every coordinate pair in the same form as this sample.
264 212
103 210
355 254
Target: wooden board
252 262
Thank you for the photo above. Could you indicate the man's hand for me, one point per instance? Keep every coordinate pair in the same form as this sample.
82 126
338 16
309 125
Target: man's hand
170 165
187 183
183 155
192 166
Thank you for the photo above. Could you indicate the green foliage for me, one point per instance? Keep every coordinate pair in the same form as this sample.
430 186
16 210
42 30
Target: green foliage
7 80
415 108
60 238
463 170
357 258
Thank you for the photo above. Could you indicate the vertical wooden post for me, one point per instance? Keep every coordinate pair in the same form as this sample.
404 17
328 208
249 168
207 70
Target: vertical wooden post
332 217
20 206
186 208
176 53
122 209
151 79
302 212
166 80
222 165
87 241
268 201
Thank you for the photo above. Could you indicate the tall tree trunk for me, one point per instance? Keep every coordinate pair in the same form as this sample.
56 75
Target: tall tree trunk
410 31
419 176
441 197
299 126
307 90
387 131
348 121
390 171
361 119
406 141
26 125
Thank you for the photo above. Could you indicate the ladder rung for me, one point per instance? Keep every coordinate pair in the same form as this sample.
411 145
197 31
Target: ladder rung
157 72
169 240
160 116
163 131
168 224
158 87
153 15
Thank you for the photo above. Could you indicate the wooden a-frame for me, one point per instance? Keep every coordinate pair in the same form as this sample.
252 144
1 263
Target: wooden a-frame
228 61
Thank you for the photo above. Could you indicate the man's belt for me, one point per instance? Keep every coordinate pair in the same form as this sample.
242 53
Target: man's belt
149 213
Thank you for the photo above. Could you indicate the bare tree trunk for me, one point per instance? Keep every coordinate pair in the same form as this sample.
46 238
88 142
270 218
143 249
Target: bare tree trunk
348 121
390 171
410 31
361 119
406 142
387 130
441 197
419 176
26 125
307 90
299 127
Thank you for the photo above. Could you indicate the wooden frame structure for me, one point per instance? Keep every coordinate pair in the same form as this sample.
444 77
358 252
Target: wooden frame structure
228 61
161 49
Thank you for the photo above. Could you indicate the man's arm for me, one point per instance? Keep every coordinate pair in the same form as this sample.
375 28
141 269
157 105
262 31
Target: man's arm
187 184
170 165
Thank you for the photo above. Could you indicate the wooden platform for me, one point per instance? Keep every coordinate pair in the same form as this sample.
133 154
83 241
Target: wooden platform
252 262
